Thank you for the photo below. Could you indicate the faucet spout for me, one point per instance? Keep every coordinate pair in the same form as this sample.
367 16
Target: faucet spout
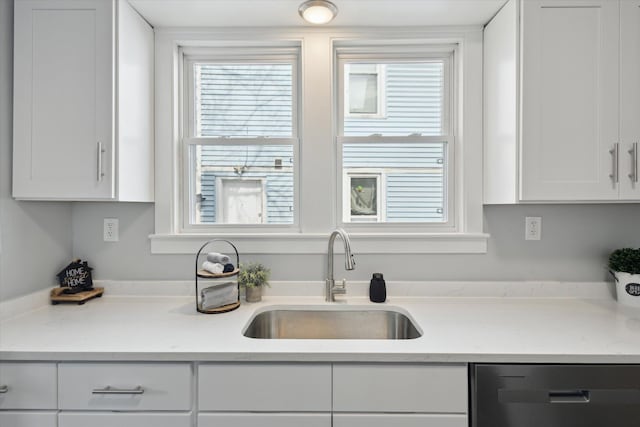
331 290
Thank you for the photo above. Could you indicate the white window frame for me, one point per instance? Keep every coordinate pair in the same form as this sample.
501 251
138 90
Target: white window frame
380 98
406 54
316 209
268 55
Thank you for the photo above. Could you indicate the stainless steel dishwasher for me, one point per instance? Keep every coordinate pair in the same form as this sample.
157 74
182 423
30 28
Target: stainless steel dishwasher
555 395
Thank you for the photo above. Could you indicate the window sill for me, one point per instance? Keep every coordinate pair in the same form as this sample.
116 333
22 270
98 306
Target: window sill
316 243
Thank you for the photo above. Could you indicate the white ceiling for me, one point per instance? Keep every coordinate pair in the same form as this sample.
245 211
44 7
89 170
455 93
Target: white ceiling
269 13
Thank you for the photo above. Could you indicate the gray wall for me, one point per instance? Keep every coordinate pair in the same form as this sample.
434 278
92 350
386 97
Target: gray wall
576 240
35 237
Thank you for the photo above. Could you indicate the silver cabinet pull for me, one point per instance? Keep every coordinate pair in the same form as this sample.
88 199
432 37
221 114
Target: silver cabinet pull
615 151
100 154
634 163
4 389
111 390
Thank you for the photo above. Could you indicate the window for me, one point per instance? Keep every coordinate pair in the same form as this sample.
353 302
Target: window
240 138
259 142
364 90
400 159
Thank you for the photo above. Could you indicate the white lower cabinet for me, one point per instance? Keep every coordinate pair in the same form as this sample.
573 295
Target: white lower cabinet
125 386
399 395
400 420
266 387
113 419
28 394
28 419
264 420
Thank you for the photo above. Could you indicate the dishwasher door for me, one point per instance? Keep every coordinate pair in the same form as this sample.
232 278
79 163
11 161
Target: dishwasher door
555 395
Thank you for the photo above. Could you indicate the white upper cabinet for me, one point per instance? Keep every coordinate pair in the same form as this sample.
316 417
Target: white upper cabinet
83 101
555 107
629 99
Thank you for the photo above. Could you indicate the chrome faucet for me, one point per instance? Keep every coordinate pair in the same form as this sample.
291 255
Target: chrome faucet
331 290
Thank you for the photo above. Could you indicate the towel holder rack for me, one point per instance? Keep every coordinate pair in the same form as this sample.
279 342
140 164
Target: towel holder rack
231 276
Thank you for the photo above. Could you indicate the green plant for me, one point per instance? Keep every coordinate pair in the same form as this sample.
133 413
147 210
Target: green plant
625 260
253 275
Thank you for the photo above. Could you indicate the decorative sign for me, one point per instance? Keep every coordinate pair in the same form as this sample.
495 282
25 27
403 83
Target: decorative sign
633 289
76 277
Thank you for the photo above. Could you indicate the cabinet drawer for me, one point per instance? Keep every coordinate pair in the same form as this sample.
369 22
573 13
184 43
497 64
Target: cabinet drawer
110 419
28 419
400 420
400 388
28 386
125 386
264 387
264 420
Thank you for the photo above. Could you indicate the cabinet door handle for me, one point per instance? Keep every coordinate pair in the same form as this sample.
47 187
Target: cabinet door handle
615 151
4 389
634 163
112 390
100 154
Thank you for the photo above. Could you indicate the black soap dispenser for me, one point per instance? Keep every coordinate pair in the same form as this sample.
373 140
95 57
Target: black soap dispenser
377 288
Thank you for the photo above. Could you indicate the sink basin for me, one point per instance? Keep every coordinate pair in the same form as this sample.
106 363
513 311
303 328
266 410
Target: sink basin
322 322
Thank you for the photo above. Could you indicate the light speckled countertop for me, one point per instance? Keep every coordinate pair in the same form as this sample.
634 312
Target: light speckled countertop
591 328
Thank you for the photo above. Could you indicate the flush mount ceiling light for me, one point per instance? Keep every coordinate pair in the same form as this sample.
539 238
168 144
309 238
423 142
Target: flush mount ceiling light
318 11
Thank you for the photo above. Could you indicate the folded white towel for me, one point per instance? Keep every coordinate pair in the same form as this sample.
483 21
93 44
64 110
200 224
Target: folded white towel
218 258
219 295
212 267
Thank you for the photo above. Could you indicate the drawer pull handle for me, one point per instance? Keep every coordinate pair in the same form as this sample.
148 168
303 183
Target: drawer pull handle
112 390
615 155
4 389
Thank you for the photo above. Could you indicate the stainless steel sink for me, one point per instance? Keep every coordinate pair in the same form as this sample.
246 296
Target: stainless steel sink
322 322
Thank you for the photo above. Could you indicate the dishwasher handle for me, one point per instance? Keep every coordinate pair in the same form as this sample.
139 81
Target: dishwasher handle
569 396
622 396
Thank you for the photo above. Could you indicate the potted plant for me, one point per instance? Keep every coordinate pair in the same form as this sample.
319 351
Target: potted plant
253 277
624 265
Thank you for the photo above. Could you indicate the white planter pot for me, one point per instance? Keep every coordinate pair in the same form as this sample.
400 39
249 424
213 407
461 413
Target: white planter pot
628 288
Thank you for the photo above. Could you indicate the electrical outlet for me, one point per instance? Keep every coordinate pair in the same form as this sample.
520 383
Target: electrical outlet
110 230
533 228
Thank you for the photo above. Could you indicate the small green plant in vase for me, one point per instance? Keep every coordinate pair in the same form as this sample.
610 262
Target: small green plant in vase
624 265
253 276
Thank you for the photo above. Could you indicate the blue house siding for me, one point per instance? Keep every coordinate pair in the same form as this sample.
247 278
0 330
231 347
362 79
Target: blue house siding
414 94
244 100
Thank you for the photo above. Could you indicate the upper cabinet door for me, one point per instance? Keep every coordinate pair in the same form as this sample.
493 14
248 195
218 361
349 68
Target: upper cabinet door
570 77
63 99
629 99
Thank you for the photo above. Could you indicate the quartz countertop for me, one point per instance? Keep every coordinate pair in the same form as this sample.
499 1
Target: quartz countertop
518 329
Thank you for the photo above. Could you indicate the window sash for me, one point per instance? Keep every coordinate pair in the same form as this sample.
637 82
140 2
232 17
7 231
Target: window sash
385 55
189 138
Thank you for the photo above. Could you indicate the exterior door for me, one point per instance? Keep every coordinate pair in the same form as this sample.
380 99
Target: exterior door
241 201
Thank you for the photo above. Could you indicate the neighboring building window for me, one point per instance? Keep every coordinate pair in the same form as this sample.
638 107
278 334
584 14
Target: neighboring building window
240 138
363 197
364 90
408 150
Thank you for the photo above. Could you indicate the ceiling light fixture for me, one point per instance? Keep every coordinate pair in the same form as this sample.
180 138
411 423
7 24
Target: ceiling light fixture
318 11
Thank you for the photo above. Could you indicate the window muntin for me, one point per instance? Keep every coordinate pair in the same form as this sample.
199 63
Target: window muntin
411 147
240 129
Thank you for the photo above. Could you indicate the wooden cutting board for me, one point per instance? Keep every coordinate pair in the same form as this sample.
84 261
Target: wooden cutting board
58 296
